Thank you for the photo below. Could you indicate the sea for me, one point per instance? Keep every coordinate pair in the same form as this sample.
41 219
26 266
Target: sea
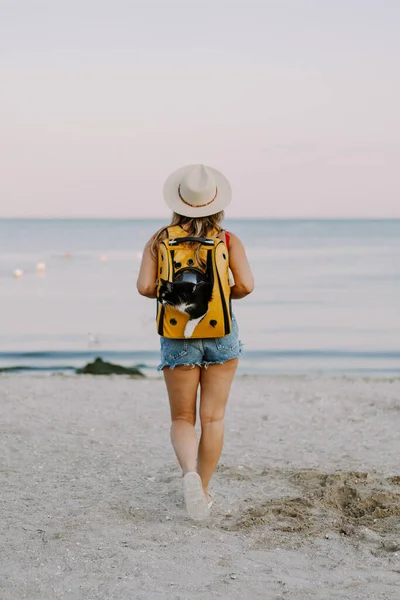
326 299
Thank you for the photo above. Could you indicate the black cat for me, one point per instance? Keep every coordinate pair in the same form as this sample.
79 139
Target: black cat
189 298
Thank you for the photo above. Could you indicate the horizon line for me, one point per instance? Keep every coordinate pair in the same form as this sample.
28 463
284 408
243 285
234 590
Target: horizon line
294 218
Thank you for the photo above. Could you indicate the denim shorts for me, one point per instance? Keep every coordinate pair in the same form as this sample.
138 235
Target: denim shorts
201 351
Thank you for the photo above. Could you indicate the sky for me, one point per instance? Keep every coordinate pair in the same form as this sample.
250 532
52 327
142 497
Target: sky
295 101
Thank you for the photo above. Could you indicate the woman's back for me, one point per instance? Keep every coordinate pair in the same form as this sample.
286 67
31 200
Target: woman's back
238 263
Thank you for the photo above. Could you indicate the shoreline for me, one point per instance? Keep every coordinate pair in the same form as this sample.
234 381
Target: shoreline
313 363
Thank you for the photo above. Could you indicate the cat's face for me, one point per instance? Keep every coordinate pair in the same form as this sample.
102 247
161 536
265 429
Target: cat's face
179 292
166 293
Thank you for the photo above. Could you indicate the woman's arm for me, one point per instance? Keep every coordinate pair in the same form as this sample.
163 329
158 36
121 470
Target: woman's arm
146 282
239 265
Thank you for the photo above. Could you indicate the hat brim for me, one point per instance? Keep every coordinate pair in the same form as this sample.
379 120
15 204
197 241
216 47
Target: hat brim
173 200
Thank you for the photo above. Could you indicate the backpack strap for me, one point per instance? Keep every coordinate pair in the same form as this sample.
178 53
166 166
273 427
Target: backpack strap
225 238
181 240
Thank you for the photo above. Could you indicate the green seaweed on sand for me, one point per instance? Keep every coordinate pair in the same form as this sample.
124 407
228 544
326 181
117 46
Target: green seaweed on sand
100 367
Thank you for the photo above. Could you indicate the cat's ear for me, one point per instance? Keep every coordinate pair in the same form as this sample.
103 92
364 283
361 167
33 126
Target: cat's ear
168 285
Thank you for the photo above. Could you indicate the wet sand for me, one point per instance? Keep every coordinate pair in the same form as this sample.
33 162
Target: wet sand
307 493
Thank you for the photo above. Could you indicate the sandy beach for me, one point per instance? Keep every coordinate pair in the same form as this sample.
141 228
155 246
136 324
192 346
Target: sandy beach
307 493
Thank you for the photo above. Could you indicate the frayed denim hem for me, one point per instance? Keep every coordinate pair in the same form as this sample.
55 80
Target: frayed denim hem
173 365
204 364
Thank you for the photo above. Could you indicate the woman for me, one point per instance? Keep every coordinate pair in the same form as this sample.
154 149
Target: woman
198 195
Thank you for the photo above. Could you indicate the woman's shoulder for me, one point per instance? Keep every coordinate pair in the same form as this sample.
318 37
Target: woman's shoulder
230 237
160 234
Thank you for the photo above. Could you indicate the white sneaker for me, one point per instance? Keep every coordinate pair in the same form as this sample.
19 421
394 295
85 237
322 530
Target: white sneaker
195 500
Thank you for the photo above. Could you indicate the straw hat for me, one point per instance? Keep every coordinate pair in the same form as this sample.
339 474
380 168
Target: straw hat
197 191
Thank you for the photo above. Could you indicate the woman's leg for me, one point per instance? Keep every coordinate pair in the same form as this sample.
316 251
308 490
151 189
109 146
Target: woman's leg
182 383
215 384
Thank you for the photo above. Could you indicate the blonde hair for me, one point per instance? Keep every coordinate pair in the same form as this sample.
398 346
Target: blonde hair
195 226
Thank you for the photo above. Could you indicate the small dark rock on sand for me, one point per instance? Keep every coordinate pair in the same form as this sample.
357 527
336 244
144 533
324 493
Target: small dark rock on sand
100 367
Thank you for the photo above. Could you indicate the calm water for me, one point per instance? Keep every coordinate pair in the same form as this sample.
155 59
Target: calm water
327 295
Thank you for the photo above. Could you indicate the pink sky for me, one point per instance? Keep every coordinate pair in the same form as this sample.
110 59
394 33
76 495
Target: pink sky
298 106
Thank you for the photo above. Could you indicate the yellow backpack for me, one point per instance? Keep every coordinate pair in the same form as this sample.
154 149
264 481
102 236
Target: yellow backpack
193 291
